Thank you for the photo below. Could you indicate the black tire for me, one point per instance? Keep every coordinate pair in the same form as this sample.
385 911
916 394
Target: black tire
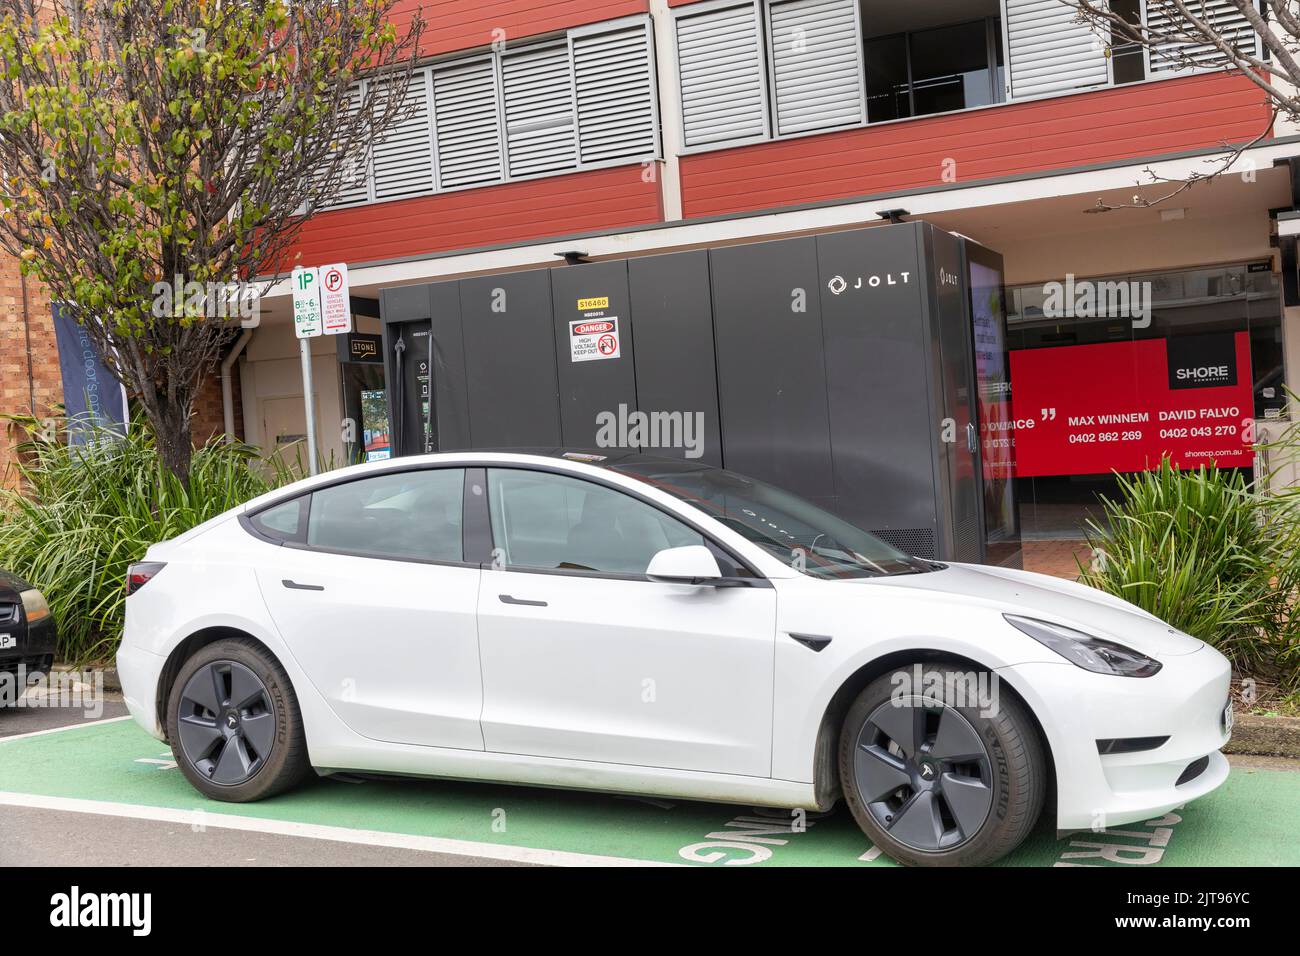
935 818
272 757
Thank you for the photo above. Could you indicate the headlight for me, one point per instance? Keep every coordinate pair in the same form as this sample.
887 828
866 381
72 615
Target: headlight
1090 653
34 606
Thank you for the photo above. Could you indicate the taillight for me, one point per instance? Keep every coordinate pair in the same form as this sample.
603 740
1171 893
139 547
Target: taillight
140 574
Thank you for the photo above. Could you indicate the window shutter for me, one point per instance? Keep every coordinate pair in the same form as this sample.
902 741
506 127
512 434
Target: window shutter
1048 52
403 160
467 128
538 95
615 94
721 72
355 177
1223 16
816 64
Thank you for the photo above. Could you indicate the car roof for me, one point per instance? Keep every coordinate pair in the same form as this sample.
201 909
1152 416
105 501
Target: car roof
614 458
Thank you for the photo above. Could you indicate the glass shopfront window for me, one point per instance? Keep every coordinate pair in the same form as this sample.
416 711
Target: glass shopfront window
365 402
1111 373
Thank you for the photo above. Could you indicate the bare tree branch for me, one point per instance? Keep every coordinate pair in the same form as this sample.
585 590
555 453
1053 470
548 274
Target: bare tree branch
1225 35
1221 164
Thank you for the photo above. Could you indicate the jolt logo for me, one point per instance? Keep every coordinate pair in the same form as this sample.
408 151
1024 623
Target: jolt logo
838 284
76 909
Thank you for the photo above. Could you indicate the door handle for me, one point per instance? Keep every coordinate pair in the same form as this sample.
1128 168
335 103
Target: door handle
972 439
507 599
294 586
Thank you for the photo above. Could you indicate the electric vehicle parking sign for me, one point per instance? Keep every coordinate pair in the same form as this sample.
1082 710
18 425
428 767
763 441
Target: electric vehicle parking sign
335 300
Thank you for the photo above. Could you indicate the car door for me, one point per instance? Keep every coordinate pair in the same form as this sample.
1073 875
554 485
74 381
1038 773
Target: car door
585 658
369 588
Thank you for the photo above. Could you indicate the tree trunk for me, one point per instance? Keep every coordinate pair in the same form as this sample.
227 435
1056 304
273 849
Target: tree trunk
175 444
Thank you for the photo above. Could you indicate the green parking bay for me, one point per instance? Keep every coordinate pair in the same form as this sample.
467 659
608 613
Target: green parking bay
115 767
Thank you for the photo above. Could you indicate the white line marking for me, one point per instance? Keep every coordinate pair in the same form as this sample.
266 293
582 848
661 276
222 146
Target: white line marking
870 855
59 730
163 764
314 831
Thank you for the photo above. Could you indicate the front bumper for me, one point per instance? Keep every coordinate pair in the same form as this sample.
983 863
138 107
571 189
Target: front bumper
32 655
1184 702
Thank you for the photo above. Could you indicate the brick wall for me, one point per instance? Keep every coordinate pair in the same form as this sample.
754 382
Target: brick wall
209 416
21 379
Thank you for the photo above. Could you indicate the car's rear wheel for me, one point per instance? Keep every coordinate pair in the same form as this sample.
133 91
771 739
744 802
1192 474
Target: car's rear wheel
937 778
234 724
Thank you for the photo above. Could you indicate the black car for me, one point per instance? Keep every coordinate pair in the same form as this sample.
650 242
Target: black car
27 633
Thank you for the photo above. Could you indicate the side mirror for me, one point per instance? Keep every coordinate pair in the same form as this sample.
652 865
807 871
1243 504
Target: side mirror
693 564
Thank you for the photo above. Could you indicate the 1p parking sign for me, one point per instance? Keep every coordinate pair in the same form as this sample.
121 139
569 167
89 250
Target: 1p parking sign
306 302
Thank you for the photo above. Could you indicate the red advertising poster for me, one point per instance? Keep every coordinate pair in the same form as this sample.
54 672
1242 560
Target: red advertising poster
1120 406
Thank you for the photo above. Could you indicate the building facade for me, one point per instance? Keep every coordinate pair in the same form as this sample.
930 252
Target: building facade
619 128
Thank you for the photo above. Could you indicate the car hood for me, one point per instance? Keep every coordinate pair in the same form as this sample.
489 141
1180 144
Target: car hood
11 586
1054 600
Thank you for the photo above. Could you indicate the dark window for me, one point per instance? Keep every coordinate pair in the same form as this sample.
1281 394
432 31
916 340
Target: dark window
889 96
938 70
406 515
548 521
950 68
1126 57
282 522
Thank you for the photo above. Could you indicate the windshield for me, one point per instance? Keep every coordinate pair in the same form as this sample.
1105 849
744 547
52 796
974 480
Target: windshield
791 529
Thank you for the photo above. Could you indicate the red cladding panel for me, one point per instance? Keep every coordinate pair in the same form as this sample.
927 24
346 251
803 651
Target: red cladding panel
512 212
1132 122
453 25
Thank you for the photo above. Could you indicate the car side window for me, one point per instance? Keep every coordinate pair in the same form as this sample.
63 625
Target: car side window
553 522
405 515
282 522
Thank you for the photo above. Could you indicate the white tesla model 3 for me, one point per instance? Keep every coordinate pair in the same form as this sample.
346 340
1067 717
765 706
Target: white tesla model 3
660 627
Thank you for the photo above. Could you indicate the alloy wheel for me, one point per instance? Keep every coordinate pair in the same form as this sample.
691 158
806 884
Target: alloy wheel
923 773
226 722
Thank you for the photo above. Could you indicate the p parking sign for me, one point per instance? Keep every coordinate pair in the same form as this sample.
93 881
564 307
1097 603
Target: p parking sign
306 302
335 300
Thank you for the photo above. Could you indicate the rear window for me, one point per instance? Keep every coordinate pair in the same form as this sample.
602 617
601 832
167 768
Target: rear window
282 522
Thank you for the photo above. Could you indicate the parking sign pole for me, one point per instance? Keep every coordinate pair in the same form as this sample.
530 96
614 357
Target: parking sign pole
307 325
308 403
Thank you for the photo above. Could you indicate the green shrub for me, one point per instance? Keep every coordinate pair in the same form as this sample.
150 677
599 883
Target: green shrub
78 515
1202 551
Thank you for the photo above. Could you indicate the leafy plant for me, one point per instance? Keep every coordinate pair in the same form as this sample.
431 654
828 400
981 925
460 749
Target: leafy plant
159 157
1204 552
77 515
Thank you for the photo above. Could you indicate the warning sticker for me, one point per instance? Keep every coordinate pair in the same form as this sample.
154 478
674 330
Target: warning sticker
591 339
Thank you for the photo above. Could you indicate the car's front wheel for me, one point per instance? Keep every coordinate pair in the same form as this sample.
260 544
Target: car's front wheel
939 769
234 724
